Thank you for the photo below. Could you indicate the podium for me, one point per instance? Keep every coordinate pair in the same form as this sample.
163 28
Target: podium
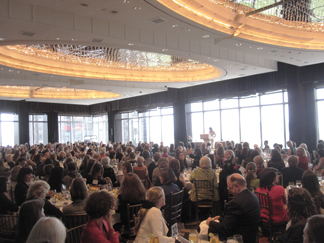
206 137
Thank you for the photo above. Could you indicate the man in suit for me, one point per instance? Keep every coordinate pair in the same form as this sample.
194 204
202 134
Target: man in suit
291 173
242 214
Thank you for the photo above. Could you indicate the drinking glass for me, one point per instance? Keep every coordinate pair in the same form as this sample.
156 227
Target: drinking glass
214 239
231 240
298 183
238 238
193 236
291 185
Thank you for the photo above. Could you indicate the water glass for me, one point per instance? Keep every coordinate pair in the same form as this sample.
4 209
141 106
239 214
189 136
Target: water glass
231 240
238 238
193 236
298 183
291 185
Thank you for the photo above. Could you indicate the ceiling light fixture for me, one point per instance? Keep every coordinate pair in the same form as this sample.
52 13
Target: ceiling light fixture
2 39
164 49
259 48
187 29
126 1
137 8
205 36
97 62
130 44
174 25
238 44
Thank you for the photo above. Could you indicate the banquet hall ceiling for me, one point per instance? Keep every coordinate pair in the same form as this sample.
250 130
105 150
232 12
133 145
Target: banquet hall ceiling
141 25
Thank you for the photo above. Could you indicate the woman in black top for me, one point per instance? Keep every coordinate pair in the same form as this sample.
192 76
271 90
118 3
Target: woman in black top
196 156
30 212
5 203
310 182
132 191
23 179
182 160
276 160
300 208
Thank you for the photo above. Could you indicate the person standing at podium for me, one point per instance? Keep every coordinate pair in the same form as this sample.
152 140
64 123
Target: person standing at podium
212 134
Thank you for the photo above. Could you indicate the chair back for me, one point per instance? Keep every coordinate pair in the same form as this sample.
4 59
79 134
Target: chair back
175 208
8 225
204 188
131 217
73 220
265 204
74 235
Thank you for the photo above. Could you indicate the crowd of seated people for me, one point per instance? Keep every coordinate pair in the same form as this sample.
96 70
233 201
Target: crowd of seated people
148 174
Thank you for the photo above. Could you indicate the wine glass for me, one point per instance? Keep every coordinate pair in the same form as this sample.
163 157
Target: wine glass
238 238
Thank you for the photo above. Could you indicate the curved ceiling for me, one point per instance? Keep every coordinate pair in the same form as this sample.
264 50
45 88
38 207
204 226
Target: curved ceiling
106 63
137 25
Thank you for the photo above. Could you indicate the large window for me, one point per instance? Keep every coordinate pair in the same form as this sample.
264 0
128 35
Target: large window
9 129
80 128
252 119
154 125
38 132
319 100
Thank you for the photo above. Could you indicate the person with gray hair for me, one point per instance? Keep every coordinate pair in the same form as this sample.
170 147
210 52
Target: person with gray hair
291 173
109 171
203 173
47 229
40 189
242 214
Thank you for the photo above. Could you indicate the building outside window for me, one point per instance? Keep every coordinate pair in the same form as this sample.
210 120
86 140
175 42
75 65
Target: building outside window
155 125
80 128
252 119
38 130
9 129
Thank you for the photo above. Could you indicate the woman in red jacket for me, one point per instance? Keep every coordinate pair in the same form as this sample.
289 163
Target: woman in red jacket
99 227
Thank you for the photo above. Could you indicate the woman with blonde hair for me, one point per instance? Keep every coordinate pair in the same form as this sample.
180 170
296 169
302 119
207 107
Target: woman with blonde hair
302 158
47 229
40 189
252 181
151 220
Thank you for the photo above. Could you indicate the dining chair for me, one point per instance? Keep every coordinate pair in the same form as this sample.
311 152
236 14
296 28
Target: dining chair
73 235
132 211
73 220
204 188
175 208
266 222
8 226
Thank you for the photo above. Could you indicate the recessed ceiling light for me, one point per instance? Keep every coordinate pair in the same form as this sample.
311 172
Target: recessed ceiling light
216 60
19 71
259 48
250 47
2 39
238 44
137 8
165 50
205 36
10 70
126 1
73 39
175 25
58 38
187 29
130 44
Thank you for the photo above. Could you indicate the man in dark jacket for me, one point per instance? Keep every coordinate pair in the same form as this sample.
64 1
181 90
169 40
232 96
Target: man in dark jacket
242 214
291 173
